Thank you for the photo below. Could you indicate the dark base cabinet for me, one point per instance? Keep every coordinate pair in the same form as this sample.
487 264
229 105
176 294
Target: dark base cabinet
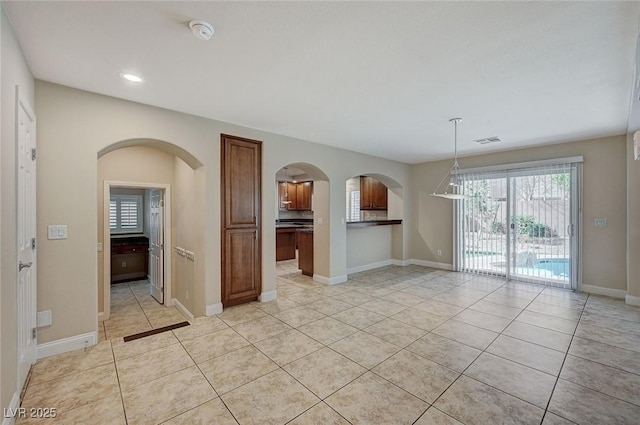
305 251
129 258
285 244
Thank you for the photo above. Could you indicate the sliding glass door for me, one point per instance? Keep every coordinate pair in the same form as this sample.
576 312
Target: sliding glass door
520 223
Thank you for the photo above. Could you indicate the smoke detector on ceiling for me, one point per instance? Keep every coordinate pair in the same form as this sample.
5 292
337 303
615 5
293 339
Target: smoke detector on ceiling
202 30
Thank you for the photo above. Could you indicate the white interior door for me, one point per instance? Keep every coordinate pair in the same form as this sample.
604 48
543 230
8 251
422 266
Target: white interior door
26 291
156 245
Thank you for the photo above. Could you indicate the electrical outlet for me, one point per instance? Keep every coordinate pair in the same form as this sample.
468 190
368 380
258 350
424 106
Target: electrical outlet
439 253
124 264
187 295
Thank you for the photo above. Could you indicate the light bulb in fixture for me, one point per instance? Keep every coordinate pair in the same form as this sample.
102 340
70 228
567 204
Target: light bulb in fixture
132 78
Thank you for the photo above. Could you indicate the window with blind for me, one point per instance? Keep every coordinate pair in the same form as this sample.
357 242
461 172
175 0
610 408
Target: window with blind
353 205
125 214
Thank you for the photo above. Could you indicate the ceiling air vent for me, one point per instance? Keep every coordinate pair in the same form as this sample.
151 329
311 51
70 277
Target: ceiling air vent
488 140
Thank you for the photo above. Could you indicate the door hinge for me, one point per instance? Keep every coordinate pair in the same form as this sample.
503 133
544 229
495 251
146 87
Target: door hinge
161 246
34 333
33 243
33 154
162 203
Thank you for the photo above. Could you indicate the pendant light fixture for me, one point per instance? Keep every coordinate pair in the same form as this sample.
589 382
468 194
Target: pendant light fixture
453 178
286 193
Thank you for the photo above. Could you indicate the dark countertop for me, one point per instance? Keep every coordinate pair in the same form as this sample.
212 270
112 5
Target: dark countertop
294 223
129 240
370 223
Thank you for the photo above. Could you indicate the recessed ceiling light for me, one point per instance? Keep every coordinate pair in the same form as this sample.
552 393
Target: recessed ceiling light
131 78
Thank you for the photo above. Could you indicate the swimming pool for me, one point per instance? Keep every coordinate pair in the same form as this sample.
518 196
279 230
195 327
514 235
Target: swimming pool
557 266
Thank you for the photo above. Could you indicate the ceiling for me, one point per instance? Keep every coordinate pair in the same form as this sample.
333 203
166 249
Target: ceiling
381 78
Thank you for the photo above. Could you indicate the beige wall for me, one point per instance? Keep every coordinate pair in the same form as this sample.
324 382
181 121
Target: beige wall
368 245
633 220
604 196
75 125
188 200
13 72
138 164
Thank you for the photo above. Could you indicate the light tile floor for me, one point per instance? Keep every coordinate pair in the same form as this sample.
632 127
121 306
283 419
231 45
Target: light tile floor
134 310
397 345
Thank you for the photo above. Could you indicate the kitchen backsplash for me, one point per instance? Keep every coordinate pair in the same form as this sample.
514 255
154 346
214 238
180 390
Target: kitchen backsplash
294 214
373 215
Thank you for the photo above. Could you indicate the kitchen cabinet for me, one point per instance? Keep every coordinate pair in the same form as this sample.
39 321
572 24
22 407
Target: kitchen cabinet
373 194
129 258
305 251
303 196
241 189
285 244
295 196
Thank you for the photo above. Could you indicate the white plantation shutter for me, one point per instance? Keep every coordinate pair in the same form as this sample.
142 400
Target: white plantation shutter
125 214
113 214
353 205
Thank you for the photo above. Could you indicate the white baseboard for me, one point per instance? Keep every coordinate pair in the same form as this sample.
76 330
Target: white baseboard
64 345
9 415
632 300
214 309
184 310
432 264
370 266
330 280
402 263
102 317
268 296
608 292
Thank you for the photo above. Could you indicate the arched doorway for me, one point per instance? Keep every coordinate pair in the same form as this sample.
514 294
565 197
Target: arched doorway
147 169
374 211
301 237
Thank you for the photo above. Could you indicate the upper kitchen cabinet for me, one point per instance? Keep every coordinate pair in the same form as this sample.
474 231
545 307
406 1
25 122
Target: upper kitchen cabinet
295 196
287 194
373 194
303 196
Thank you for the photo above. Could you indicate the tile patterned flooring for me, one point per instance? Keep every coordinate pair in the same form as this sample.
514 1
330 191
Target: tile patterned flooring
134 310
396 345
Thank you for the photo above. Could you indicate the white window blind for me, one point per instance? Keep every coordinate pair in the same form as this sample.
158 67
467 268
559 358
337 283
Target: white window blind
125 214
353 206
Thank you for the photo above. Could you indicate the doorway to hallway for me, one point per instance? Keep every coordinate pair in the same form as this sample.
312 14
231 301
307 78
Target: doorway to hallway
137 267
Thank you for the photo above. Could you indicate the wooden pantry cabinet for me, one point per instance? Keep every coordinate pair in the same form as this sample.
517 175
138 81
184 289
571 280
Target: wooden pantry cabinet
241 188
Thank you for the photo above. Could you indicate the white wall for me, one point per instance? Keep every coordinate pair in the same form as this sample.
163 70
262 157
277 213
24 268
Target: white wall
14 71
75 125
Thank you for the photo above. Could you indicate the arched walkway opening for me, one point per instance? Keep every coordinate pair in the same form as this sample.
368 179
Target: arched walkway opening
150 212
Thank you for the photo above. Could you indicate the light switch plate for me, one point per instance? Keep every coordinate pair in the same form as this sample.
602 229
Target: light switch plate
57 231
43 318
600 222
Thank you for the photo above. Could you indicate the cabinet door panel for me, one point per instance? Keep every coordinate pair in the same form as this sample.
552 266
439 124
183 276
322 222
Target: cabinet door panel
241 280
304 196
292 196
379 195
241 183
